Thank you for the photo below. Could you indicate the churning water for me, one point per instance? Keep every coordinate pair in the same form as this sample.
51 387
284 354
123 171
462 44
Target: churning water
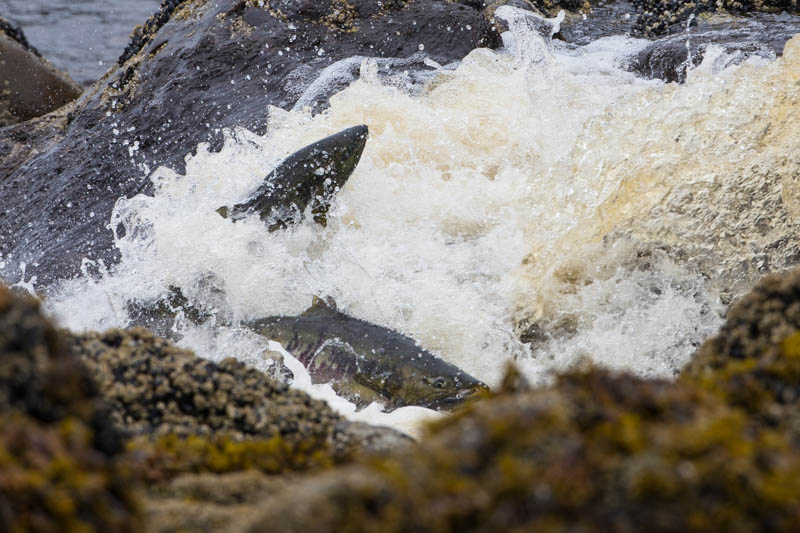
539 191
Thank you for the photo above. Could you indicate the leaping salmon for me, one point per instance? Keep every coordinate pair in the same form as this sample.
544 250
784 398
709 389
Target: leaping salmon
309 177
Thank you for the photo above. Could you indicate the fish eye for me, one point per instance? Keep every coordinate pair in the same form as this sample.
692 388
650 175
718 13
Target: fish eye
439 383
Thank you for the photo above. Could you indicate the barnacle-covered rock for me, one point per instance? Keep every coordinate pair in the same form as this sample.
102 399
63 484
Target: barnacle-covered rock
595 452
657 17
754 361
60 469
156 388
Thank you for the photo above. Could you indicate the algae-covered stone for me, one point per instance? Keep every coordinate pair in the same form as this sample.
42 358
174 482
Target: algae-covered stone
595 452
754 361
59 467
52 479
156 387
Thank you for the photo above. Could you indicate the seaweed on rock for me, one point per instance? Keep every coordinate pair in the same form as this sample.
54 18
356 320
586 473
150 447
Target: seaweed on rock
595 452
754 361
59 461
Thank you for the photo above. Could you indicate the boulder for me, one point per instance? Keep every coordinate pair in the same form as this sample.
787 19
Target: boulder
29 85
594 452
61 467
760 34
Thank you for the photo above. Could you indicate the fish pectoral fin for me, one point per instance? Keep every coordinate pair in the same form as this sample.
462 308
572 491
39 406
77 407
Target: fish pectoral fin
223 211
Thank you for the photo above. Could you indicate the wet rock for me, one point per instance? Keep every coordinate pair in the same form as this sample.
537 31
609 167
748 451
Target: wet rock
595 452
60 467
659 17
194 69
737 38
29 85
16 33
601 19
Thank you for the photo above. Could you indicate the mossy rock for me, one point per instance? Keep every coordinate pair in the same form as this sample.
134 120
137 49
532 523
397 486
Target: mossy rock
59 462
595 452
52 479
754 361
164 457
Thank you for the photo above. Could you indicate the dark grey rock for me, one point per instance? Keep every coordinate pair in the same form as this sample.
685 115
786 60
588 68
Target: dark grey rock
760 34
197 68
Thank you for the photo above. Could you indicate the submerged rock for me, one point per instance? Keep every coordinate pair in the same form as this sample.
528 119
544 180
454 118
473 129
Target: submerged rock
595 452
61 469
29 85
194 69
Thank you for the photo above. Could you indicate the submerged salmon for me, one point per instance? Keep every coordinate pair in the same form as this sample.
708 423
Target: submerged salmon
365 362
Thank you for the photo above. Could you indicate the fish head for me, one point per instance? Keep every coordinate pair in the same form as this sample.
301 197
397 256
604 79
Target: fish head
438 386
335 158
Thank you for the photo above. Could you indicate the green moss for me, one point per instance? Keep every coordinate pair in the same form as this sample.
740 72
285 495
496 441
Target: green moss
58 465
754 361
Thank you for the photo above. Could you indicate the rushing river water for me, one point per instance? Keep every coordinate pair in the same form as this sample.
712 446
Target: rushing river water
541 191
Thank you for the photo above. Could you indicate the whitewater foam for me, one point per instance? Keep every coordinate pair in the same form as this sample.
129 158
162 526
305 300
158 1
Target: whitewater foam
518 192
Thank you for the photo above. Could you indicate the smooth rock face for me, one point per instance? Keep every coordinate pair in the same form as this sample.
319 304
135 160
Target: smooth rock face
196 68
29 85
760 34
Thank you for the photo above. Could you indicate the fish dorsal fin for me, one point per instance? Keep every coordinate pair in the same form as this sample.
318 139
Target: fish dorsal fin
322 304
